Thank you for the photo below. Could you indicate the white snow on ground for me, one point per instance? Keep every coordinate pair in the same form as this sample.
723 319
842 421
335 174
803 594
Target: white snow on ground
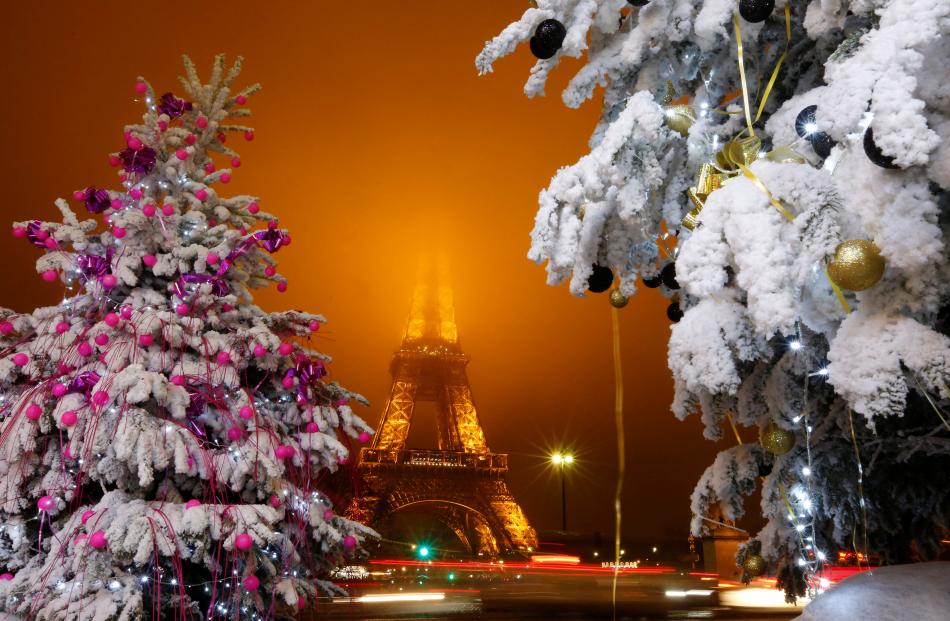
919 592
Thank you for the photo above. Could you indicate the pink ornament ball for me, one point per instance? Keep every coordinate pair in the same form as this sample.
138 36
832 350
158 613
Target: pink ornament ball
243 542
51 243
288 381
168 209
69 418
163 126
274 501
240 100
285 349
343 460
365 437
225 177
192 503
182 309
149 260
284 451
135 193
118 231
190 139
101 397
102 339
109 281
221 137
201 122
50 275
6 576
41 234
328 515
272 224
148 210
116 203
81 537
33 411
140 87
46 503
270 270
301 601
85 349
246 412
98 540
20 360
259 350
146 339
226 308
126 312
249 135
235 434
312 427
282 286
236 162
114 161
6 327
86 515
210 167
349 542
178 380
181 154
134 143
59 390
62 367
223 358
212 258
62 327
19 231
112 320
251 583
79 195
201 195
314 325
253 208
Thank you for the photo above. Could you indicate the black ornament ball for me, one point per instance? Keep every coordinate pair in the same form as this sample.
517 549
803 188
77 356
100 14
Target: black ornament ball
547 39
804 119
652 283
756 11
821 143
600 279
668 275
639 3
874 152
674 312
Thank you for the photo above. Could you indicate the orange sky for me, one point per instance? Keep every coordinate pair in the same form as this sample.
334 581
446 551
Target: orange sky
376 140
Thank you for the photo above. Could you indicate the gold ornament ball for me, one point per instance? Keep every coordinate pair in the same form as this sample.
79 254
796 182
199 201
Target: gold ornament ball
776 440
754 565
857 265
680 118
617 299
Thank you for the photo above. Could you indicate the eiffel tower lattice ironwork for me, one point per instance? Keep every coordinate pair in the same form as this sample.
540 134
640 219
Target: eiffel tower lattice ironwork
461 482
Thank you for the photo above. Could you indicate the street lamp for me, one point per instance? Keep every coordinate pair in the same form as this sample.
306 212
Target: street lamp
562 461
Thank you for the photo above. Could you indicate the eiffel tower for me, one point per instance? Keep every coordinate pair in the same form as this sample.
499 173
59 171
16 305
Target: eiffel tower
461 483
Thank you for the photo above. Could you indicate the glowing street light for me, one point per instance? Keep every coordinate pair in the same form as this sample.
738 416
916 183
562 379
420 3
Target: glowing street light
562 461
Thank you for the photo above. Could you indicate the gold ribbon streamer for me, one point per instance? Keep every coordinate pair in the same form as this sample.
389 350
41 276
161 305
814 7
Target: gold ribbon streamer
732 424
745 88
838 293
621 456
778 65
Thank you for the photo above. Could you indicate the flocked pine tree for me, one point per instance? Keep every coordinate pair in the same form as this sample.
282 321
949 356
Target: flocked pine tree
756 136
165 444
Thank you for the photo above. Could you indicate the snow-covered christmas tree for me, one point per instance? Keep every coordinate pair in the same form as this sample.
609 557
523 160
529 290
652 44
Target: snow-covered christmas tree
165 445
780 170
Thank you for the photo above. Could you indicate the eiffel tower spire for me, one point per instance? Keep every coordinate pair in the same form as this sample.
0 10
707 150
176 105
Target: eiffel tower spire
432 315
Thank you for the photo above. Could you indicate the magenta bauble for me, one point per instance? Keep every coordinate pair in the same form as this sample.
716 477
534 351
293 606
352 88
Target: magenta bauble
282 286
146 339
201 122
210 167
50 275
284 451
100 397
181 154
33 411
98 540
191 139
365 437
69 418
182 309
126 312
6 576
86 515
251 583
45 503
248 135
349 542
223 358
246 412
312 427
20 360
240 100
285 349
259 350
62 327
192 503
134 143
314 325
201 195
328 515
243 542
274 501
59 390
212 258
236 162
168 209
141 87
85 349
112 320
235 433
118 231
177 380
253 208
149 260
148 210
6 327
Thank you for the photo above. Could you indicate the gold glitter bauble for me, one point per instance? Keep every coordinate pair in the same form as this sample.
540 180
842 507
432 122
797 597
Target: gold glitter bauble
754 565
617 299
680 118
776 440
857 265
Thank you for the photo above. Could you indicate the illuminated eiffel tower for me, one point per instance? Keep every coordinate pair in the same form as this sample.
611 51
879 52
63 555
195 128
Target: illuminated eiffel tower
461 482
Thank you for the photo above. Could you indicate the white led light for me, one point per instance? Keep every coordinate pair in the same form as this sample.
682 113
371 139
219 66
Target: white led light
795 345
806 471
